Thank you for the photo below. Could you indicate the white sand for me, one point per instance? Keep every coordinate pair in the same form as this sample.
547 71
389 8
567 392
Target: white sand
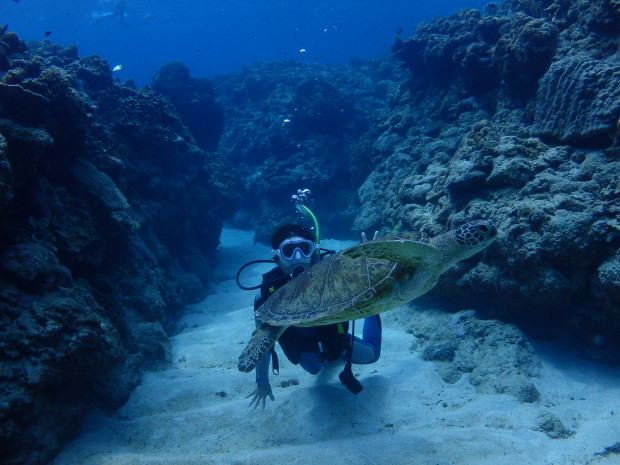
406 414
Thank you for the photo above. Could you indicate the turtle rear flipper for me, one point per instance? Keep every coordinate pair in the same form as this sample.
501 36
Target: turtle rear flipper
263 338
405 252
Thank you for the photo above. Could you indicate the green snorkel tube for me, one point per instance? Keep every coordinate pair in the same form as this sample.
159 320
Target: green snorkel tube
317 236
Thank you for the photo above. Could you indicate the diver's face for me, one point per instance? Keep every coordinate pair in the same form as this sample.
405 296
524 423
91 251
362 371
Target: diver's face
294 255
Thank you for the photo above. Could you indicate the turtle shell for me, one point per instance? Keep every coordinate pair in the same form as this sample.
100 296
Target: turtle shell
343 287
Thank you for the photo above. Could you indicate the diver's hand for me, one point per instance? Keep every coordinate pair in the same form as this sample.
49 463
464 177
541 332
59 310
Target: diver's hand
365 239
260 395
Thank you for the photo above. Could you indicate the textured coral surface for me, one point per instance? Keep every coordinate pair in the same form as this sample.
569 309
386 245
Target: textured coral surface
112 198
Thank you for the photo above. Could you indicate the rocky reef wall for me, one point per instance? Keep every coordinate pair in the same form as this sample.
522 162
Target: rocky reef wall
112 198
290 126
513 115
111 215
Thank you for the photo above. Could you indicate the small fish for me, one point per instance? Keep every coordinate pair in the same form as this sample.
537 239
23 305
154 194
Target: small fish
47 33
117 68
303 50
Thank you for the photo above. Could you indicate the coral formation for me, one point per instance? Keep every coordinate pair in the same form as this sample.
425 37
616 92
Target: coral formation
111 217
194 100
578 101
291 125
540 156
111 208
496 358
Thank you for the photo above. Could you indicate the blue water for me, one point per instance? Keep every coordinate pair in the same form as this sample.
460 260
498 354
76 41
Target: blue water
219 36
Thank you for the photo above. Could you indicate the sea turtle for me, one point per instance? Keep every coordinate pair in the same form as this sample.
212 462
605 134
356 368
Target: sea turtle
363 280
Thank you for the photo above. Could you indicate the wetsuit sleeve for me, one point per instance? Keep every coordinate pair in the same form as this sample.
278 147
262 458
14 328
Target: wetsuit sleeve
262 369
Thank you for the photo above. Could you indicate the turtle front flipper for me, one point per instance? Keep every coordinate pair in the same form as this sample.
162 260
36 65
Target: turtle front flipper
263 338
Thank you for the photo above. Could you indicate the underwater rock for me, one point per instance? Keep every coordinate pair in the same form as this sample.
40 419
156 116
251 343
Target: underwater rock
598 15
578 102
472 163
283 137
524 52
433 49
191 288
19 138
92 73
102 188
22 105
442 352
53 345
319 106
113 388
496 357
194 100
154 340
99 186
477 67
477 152
6 178
609 276
35 267
13 43
483 51
552 426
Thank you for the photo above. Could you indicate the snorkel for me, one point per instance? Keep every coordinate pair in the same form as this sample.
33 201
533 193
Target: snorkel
317 236
300 199
302 196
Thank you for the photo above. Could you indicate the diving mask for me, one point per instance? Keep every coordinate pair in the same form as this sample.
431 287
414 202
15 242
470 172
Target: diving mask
295 247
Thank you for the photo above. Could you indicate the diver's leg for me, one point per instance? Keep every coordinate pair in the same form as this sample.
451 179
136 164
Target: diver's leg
312 362
368 349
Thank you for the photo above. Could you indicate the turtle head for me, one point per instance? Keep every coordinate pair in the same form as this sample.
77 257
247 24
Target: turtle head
474 236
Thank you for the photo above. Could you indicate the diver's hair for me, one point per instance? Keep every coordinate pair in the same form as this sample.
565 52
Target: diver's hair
287 231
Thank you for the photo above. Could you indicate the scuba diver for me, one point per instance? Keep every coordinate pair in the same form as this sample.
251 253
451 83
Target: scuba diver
295 250
119 11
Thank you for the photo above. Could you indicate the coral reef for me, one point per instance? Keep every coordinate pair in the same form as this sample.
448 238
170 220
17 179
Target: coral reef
495 357
111 216
291 125
534 146
578 101
111 208
194 101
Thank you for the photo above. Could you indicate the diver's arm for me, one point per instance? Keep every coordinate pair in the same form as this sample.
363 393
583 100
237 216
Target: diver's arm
262 369
263 388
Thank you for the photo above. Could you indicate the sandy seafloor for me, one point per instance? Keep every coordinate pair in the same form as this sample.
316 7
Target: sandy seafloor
196 412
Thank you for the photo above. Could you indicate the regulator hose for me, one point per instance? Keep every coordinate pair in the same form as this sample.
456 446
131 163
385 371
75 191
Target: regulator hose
253 262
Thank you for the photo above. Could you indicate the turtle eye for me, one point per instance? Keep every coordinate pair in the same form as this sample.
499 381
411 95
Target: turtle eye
483 228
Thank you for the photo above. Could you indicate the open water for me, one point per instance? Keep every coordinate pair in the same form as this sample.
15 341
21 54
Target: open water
219 36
